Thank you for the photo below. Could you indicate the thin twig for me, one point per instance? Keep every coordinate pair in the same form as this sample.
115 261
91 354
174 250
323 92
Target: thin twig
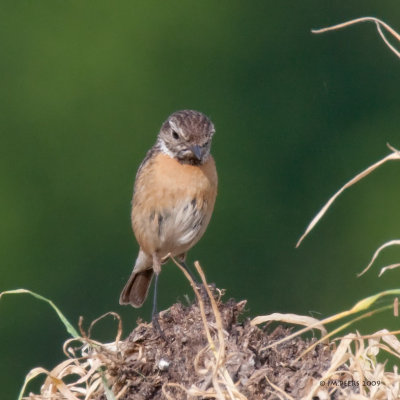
379 25
395 155
376 254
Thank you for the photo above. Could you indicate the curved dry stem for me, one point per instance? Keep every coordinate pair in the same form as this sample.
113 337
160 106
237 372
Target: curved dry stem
279 390
387 268
201 305
388 44
220 374
376 254
113 314
361 305
395 155
379 25
291 319
340 328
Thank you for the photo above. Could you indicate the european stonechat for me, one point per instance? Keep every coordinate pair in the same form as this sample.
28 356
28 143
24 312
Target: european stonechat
173 199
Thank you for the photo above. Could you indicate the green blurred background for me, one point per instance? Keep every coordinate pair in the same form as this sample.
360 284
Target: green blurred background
85 86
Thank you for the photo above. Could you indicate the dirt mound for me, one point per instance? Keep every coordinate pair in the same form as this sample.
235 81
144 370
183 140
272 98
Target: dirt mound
184 364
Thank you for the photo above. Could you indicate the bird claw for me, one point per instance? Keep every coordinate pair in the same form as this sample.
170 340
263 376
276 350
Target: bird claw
157 327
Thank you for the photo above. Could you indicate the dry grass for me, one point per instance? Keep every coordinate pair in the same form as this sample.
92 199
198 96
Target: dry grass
394 155
381 27
209 354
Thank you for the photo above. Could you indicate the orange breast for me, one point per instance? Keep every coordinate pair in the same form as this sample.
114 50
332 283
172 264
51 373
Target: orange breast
163 188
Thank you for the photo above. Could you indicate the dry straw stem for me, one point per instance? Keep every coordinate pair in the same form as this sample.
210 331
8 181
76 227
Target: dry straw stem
375 256
309 322
360 306
220 374
278 391
379 25
394 155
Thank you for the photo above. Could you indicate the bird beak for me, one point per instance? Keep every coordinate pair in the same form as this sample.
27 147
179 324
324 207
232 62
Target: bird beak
196 150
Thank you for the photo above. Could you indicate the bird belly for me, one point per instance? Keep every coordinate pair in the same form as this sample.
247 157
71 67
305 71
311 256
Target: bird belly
174 230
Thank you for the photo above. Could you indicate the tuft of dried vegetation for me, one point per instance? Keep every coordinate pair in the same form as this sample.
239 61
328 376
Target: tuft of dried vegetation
187 366
211 352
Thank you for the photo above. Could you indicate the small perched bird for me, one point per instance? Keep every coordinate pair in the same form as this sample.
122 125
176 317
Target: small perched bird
173 199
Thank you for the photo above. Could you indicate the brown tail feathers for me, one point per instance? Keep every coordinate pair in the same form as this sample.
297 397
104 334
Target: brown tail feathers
136 289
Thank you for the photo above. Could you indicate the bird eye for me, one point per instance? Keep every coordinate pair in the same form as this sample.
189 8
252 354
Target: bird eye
175 135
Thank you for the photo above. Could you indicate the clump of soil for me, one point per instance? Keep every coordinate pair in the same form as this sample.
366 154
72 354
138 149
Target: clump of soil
181 363
209 350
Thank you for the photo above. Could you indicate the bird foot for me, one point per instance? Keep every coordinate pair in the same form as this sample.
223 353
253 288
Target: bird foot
157 327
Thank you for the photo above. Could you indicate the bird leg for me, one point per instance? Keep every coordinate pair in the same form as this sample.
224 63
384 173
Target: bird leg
181 260
154 313
199 285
